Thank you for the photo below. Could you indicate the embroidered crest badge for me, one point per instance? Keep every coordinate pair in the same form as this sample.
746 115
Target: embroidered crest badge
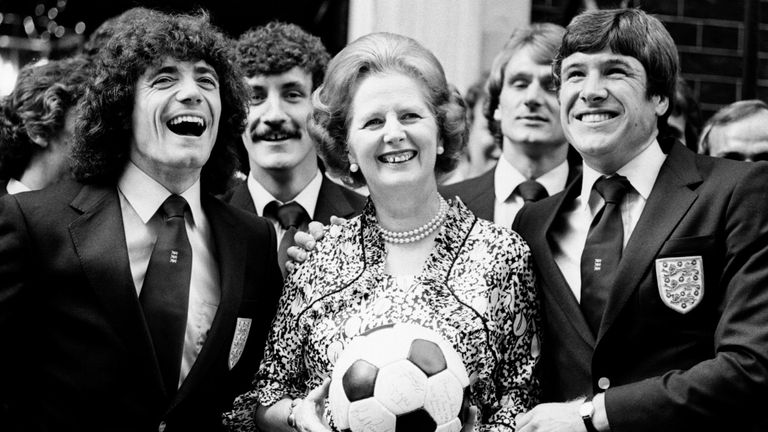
238 341
681 282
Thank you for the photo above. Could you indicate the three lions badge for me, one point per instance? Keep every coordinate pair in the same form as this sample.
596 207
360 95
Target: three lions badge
681 282
238 341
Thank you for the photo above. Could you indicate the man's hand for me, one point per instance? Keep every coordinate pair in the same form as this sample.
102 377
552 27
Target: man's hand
552 417
306 241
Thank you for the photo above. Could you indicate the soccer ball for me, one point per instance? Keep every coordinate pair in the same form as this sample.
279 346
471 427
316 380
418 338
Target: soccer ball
396 378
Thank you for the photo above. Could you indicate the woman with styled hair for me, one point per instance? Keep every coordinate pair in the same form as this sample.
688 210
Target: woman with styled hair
37 121
385 117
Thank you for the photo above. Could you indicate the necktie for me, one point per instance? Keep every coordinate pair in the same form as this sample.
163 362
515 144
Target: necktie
602 250
165 292
291 217
531 190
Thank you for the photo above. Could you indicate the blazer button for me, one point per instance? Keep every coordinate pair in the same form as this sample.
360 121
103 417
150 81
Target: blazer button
603 383
161 427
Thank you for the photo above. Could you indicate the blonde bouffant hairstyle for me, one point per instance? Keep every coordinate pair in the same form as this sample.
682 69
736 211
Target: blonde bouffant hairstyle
382 53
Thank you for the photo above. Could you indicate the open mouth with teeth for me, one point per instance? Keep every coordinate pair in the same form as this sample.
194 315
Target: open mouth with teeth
595 117
397 157
276 136
187 125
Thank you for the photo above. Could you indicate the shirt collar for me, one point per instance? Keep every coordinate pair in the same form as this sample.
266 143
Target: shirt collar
507 178
146 195
307 197
14 186
641 172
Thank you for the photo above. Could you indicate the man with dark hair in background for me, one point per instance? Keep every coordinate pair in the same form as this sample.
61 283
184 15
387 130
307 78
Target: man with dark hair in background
283 64
653 265
737 131
37 122
132 299
524 115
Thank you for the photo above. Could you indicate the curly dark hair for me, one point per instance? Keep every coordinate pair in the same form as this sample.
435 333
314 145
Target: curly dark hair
373 54
38 107
101 36
104 129
278 47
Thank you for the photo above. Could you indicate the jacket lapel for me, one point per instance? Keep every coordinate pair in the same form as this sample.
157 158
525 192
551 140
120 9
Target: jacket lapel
482 202
99 240
554 281
331 202
241 198
231 254
671 197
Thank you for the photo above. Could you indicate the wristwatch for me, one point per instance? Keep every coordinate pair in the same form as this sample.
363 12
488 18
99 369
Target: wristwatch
586 411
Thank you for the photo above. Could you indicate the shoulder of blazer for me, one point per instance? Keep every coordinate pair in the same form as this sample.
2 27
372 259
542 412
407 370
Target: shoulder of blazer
470 189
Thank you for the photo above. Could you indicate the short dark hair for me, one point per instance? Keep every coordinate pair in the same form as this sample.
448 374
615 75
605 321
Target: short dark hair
378 53
629 32
543 40
279 47
104 129
727 115
475 94
38 106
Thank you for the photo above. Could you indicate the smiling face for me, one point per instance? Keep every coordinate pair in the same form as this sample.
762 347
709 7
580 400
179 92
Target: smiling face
276 134
176 115
528 110
606 113
393 134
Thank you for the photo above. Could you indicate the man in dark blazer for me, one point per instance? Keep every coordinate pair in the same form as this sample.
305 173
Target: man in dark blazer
283 65
680 338
79 290
524 116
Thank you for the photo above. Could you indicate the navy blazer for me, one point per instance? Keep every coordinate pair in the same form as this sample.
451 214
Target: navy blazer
701 368
478 193
77 354
333 200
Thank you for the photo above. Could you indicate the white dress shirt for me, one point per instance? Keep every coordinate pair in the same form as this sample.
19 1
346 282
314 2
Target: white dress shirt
506 178
140 198
577 217
14 186
307 198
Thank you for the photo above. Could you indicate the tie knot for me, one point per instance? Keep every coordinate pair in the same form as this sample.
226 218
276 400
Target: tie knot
531 190
288 215
174 206
612 189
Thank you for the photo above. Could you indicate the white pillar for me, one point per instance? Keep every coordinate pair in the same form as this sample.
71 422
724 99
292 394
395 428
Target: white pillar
463 34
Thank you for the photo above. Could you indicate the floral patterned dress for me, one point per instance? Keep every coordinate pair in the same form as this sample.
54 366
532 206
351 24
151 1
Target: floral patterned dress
476 289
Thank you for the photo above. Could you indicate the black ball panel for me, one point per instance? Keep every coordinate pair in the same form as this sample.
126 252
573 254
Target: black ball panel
415 421
359 380
427 356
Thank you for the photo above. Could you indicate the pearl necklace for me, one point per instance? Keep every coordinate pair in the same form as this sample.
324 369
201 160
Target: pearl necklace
416 234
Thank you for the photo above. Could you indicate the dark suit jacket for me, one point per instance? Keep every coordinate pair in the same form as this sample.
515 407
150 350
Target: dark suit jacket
333 200
77 355
478 193
3 188
706 369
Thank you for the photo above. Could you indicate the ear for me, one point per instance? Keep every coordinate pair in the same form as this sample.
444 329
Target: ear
662 104
38 139
497 115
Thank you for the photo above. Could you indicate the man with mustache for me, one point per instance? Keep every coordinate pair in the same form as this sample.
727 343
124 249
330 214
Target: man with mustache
283 65
524 115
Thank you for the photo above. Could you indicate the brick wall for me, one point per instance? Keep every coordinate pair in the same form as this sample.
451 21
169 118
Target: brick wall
709 37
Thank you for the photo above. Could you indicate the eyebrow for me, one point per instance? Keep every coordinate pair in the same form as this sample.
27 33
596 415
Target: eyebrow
205 69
